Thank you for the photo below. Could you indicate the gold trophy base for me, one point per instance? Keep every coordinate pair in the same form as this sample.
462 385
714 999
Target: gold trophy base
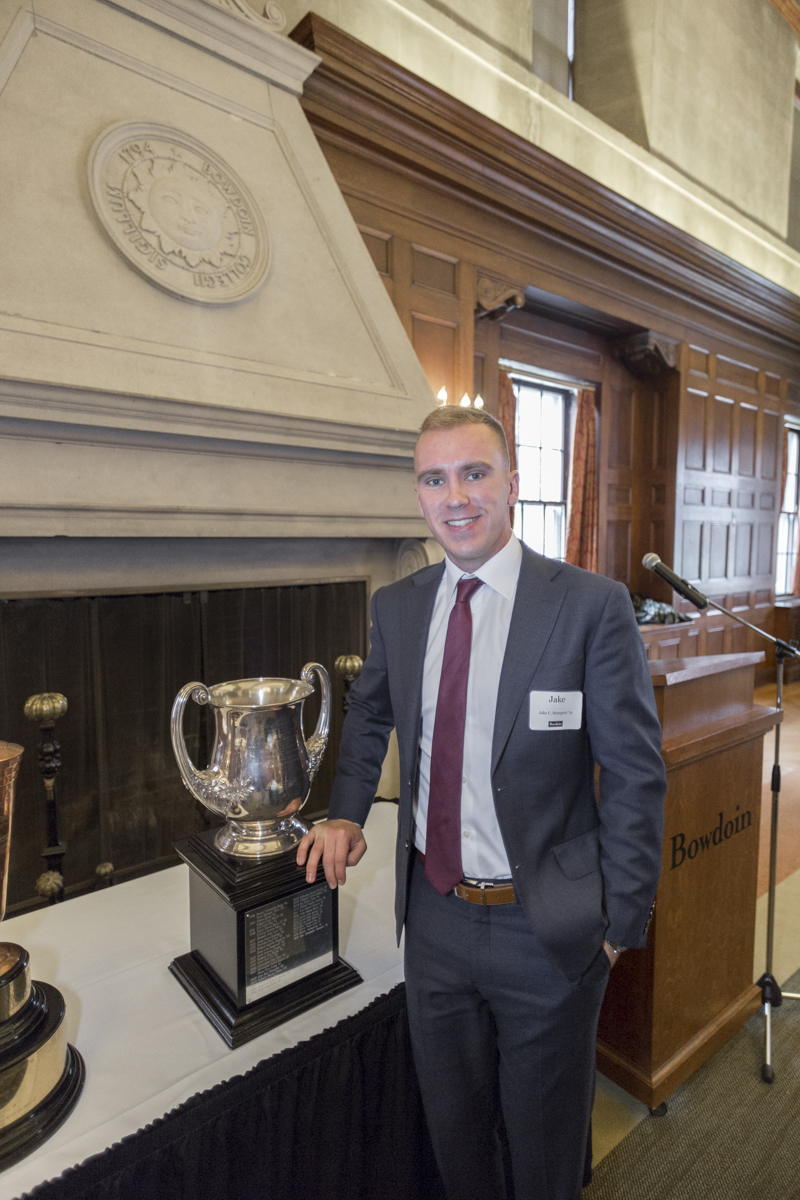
41 1077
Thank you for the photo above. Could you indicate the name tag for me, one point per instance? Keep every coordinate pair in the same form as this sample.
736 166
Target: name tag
556 710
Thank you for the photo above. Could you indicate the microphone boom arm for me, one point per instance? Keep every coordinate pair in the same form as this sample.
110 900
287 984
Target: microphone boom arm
781 647
682 586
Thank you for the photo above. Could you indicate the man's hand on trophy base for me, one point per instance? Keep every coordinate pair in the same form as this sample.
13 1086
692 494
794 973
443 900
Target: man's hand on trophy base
340 844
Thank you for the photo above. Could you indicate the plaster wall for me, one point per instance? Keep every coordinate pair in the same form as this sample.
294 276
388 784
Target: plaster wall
550 59
794 188
532 32
749 226
615 52
508 24
706 87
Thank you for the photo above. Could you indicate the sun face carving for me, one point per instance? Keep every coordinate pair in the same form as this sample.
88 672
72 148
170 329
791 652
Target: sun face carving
183 211
178 213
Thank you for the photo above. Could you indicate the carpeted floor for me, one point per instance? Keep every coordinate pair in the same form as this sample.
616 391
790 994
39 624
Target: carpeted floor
726 1135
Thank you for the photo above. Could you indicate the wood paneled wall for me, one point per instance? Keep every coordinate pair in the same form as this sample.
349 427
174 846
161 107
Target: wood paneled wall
433 291
728 473
728 479
638 440
689 457
660 442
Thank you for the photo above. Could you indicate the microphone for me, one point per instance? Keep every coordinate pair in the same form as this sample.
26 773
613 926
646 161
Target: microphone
654 563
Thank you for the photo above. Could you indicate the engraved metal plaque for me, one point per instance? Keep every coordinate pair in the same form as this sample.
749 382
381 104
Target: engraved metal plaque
286 940
265 942
178 213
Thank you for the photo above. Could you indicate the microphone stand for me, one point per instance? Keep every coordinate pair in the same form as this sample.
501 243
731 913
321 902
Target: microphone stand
771 994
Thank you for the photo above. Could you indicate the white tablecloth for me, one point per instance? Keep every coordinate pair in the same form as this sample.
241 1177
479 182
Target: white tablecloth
147 1047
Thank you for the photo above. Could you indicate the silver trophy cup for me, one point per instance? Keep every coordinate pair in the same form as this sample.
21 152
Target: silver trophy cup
262 766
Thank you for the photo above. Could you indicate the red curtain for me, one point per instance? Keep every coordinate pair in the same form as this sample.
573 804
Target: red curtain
582 530
507 416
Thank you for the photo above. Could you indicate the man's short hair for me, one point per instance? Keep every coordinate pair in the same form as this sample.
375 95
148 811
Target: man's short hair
450 416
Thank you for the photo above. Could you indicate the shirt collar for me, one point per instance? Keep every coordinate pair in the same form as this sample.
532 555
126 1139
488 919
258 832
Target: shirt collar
500 572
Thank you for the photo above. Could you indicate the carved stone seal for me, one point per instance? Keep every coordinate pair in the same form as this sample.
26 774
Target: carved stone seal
178 213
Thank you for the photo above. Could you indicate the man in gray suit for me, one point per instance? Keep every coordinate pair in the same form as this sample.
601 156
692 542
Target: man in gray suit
508 676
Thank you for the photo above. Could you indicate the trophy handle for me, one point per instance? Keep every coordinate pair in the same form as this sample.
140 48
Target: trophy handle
315 745
192 778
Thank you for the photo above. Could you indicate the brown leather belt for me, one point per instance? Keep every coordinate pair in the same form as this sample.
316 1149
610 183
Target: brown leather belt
486 893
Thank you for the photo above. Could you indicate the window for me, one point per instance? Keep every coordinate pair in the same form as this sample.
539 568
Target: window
788 520
540 517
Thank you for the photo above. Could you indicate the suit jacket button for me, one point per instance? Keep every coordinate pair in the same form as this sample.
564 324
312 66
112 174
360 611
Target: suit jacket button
406 845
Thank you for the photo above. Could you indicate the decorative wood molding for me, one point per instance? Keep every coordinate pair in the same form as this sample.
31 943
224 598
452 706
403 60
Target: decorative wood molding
371 106
496 298
646 354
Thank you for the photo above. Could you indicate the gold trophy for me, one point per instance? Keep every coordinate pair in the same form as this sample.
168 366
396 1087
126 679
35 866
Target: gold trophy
41 1077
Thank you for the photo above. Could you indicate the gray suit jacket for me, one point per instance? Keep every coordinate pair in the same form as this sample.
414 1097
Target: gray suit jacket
581 870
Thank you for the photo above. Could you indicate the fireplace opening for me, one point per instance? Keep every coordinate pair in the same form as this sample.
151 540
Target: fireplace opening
120 660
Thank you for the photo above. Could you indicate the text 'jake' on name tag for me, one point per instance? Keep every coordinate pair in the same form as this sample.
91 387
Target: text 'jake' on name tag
556 710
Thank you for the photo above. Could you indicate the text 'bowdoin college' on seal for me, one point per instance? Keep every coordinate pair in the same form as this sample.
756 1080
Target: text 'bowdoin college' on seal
178 213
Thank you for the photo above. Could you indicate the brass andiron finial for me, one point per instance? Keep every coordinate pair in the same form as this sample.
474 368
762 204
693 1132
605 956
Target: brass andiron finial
348 668
105 875
44 709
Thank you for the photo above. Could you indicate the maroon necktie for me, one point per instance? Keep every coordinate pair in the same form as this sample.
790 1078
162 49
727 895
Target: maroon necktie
443 834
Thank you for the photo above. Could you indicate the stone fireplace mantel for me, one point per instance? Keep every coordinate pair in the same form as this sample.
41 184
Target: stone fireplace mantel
128 410
94 464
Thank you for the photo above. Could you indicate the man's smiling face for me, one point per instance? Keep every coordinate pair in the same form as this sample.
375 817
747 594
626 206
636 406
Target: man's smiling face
464 489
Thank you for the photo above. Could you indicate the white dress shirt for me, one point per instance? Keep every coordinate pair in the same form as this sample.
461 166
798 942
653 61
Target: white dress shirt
483 854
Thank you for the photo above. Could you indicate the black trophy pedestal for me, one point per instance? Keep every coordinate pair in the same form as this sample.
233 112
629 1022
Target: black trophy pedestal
265 944
41 1077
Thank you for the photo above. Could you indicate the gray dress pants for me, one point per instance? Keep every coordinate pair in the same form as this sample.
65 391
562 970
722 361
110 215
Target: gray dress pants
499 1033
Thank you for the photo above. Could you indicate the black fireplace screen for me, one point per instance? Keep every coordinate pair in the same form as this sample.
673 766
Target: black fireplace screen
120 660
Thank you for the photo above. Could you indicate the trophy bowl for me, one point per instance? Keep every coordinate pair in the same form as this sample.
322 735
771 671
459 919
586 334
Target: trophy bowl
262 765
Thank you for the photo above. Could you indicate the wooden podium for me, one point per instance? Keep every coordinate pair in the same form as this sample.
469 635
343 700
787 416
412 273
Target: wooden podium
670 1006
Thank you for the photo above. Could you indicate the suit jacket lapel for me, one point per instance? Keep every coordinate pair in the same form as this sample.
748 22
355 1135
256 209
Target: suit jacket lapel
415 620
536 608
